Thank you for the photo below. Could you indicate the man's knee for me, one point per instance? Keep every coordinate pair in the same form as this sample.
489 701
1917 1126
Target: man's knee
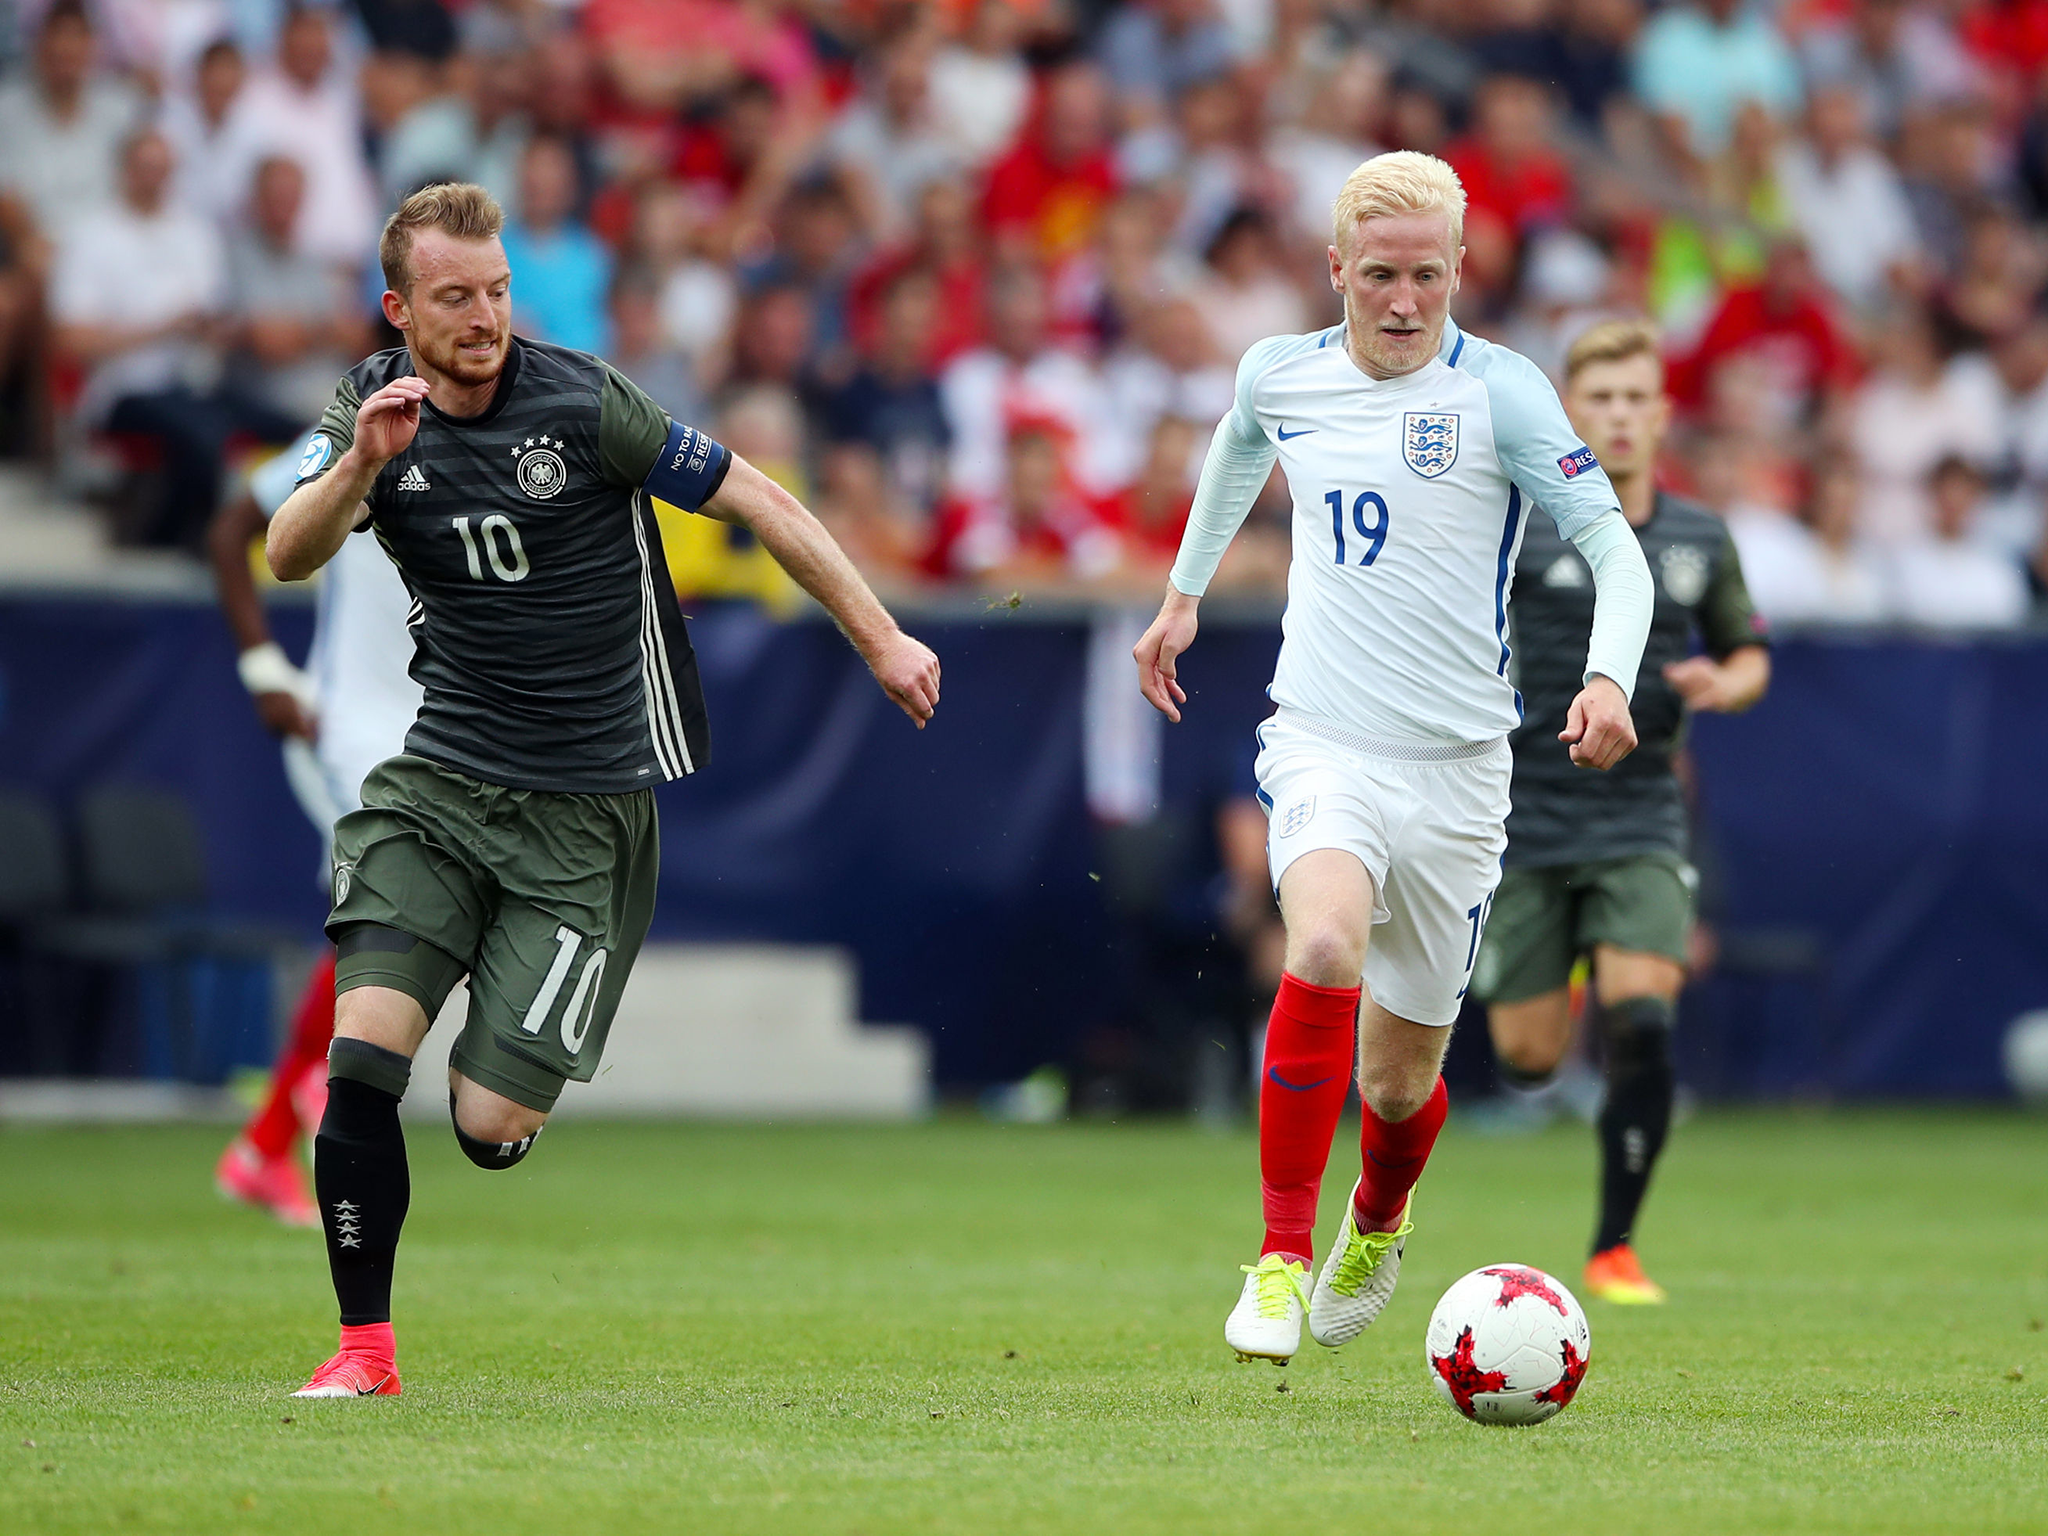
494 1135
1325 952
1636 1034
1530 1037
1396 1089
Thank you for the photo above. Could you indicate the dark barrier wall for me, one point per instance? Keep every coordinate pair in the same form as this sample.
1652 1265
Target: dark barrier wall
1878 829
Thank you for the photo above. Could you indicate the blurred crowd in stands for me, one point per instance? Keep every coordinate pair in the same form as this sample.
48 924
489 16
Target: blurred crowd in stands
972 276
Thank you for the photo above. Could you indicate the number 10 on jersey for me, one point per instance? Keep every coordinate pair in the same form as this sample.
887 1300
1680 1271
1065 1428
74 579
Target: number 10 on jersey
1374 533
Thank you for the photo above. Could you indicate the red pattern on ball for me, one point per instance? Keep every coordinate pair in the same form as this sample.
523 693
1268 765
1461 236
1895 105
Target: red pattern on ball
1461 1373
1567 1385
1517 1280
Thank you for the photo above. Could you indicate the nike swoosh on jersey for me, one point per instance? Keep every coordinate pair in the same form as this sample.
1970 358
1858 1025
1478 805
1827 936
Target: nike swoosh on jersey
1274 1073
1286 436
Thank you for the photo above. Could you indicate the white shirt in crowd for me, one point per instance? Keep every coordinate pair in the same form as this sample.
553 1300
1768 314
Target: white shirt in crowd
320 128
1853 214
984 393
1900 433
119 267
63 171
1957 584
979 99
1796 578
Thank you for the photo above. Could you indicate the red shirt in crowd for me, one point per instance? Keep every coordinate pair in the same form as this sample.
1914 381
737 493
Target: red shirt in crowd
1056 206
1797 338
1534 190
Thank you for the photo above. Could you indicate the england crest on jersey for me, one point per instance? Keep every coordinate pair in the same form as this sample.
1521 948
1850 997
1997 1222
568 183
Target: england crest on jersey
1429 442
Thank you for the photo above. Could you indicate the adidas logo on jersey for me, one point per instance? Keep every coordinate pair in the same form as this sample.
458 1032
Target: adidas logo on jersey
414 479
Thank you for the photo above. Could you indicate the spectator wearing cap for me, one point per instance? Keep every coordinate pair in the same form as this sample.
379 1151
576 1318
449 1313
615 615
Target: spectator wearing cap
1945 579
138 300
1696 62
293 321
61 130
1847 201
560 270
1019 374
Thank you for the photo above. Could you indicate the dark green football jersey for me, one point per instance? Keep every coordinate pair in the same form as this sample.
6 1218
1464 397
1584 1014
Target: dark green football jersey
545 629
1563 814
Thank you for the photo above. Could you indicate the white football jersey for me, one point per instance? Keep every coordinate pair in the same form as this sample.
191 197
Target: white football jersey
361 651
1410 497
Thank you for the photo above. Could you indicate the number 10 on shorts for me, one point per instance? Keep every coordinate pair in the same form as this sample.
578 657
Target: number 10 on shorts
582 1001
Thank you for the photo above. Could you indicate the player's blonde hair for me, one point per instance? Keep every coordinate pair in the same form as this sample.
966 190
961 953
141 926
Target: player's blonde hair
1401 181
461 210
1612 341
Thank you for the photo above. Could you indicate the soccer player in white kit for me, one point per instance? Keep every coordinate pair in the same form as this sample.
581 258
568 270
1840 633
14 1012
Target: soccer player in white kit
345 713
1414 453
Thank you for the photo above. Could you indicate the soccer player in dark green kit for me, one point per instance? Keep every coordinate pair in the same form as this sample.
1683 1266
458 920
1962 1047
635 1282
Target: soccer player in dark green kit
514 841
1597 862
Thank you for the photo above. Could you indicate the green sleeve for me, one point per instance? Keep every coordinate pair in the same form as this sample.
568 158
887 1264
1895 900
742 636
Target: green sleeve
1728 619
630 431
338 425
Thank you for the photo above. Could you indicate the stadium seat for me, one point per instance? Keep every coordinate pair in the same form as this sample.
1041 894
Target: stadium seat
142 885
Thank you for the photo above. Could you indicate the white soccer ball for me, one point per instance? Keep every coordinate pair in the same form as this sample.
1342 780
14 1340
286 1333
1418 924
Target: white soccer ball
1508 1345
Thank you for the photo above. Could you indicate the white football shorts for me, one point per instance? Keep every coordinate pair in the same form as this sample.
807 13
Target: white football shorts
1428 822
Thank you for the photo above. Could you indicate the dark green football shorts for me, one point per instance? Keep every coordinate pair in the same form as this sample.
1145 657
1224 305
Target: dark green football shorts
1544 918
542 898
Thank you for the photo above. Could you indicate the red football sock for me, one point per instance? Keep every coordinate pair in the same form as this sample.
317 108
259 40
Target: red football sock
1310 1042
1394 1155
277 1123
375 1339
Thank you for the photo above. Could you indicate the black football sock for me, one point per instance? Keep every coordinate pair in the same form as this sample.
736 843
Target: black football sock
360 1174
1637 1114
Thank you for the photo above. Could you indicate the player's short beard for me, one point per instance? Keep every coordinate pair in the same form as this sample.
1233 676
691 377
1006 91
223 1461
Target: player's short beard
449 359
1368 345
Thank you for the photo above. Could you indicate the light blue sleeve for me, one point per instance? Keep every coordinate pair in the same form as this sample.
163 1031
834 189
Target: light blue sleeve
278 476
1535 443
1240 458
1624 601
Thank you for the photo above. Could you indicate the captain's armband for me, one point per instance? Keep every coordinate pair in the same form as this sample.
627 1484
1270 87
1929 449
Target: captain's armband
689 469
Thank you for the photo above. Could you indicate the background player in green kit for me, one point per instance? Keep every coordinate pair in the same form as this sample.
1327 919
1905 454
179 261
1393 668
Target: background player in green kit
1597 862
514 841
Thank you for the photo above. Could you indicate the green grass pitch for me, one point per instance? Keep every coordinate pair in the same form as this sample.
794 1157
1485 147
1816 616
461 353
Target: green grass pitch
961 1327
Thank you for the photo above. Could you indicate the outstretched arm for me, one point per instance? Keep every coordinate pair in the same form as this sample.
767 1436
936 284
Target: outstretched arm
1240 458
907 670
